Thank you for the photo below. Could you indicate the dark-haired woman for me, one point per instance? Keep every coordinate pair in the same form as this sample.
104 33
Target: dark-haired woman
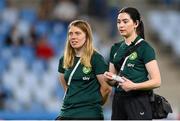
140 72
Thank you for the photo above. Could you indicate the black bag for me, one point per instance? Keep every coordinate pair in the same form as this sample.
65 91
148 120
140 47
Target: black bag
160 107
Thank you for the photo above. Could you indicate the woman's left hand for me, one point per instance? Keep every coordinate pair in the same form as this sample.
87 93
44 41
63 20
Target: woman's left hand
127 85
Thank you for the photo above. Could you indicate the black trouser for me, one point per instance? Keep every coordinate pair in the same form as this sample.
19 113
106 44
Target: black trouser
131 106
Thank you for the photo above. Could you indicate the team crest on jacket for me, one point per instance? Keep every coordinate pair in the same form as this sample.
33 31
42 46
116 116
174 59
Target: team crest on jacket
86 70
133 56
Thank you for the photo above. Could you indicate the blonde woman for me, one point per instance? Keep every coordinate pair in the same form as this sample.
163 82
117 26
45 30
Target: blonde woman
85 87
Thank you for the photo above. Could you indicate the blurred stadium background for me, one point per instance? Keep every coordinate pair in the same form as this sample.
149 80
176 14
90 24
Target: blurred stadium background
32 37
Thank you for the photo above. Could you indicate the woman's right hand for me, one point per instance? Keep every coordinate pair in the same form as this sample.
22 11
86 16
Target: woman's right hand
109 75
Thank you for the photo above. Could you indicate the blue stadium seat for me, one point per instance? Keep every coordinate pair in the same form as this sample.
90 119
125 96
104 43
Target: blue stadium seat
28 14
2 5
41 28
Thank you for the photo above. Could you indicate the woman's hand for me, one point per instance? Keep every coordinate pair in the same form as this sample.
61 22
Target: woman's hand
113 79
127 85
109 75
105 89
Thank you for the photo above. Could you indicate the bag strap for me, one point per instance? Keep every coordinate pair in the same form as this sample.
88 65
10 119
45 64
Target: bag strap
126 55
70 77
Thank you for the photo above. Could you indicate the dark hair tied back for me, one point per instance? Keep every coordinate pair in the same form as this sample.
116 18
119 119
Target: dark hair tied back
135 16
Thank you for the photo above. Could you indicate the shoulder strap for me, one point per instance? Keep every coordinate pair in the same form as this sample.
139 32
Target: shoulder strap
137 44
126 55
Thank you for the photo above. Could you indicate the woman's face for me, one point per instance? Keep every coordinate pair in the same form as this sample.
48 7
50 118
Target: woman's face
125 25
77 37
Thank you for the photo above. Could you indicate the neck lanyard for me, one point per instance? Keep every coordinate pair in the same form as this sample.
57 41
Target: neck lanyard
70 77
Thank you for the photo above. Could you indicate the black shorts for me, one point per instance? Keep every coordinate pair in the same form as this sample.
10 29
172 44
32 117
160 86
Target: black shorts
134 105
69 118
